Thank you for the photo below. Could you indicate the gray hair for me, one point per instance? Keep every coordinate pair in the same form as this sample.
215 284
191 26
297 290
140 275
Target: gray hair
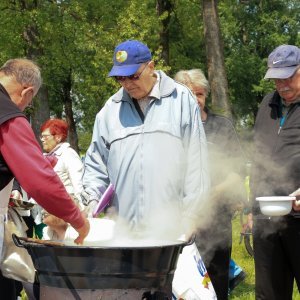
193 77
25 71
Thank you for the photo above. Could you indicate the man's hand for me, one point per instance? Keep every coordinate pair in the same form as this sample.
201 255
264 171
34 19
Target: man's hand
248 226
15 194
83 231
15 198
296 203
89 203
59 226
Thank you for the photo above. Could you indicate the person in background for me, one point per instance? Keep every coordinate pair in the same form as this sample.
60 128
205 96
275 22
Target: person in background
148 141
214 239
63 158
21 156
68 166
276 172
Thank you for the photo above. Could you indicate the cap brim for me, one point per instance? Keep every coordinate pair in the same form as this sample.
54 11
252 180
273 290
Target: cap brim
125 70
280 73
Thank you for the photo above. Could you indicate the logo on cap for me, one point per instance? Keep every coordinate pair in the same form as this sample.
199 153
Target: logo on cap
121 56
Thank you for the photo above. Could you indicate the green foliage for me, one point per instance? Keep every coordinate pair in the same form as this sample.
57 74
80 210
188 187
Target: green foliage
251 30
84 141
74 41
187 49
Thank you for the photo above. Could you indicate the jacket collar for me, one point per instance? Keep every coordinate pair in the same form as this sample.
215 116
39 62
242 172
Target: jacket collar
275 105
59 149
166 87
4 91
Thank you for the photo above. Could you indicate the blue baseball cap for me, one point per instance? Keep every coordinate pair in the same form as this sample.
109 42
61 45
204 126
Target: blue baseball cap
128 57
283 62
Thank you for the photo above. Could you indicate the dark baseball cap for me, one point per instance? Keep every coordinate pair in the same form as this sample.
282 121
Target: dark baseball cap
128 57
283 62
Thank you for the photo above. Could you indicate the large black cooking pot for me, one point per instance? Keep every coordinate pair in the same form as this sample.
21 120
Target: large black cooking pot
78 267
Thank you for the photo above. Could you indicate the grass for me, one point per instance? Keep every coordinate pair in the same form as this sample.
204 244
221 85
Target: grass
245 290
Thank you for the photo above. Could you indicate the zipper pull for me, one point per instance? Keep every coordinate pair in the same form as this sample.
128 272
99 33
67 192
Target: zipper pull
279 130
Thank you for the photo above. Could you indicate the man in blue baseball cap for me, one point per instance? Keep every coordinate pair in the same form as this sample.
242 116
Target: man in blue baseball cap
276 172
149 142
128 58
134 69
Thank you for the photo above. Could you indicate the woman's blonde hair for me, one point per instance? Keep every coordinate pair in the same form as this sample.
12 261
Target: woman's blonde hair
193 77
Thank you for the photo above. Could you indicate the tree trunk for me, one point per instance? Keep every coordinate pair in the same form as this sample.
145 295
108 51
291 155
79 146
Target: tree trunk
215 58
41 111
67 99
164 7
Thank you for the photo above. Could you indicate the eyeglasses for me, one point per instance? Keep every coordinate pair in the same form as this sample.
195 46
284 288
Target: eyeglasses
283 80
131 77
286 80
45 136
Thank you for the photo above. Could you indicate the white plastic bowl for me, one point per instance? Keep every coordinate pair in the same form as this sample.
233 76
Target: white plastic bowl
275 205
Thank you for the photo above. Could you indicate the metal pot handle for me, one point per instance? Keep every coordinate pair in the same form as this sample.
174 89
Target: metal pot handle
25 241
191 240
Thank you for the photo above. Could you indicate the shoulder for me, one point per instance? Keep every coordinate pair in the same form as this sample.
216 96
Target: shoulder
271 102
18 127
271 98
219 120
117 98
8 110
66 150
220 128
169 86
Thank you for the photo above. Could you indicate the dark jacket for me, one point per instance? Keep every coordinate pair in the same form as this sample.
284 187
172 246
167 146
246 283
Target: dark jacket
226 156
8 110
224 146
276 161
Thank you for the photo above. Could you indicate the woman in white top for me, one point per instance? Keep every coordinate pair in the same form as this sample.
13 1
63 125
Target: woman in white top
66 163
65 160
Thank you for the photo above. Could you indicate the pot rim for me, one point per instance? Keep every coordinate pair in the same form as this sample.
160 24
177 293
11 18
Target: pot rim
27 244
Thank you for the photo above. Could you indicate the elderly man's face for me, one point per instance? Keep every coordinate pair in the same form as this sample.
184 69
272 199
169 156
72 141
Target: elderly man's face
141 87
20 94
289 89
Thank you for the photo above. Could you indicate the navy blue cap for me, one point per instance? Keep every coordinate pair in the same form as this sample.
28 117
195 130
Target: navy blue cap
283 62
128 57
